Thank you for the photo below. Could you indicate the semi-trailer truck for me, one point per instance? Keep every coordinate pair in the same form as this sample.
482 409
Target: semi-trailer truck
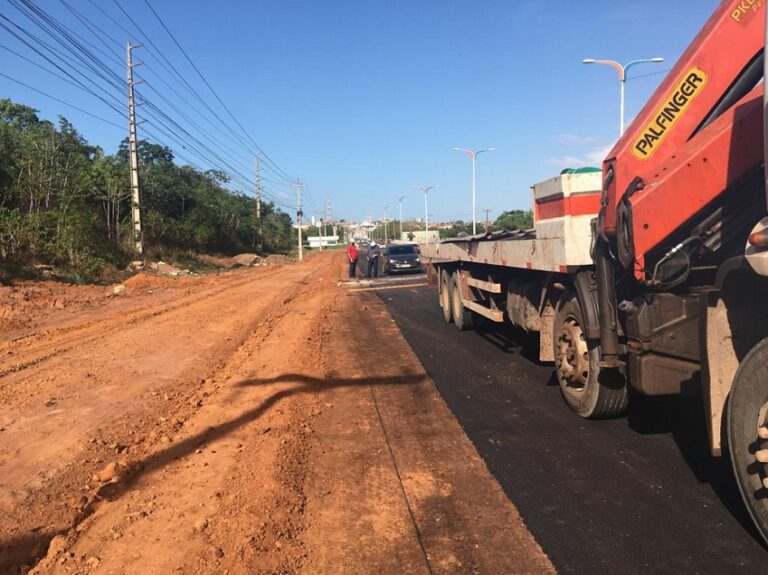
652 272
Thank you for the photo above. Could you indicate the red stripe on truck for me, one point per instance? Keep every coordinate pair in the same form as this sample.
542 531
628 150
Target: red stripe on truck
586 204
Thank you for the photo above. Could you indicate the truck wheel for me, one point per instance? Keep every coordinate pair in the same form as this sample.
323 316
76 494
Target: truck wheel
463 318
747 425
445 295
590 392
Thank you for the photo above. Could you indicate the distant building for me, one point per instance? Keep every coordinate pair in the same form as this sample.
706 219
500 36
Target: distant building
324 241
419 236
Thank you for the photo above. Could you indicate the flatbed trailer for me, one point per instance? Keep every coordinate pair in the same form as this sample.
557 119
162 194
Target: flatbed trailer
651 273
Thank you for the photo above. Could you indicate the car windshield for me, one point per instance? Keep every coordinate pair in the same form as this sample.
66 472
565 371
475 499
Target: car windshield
401 250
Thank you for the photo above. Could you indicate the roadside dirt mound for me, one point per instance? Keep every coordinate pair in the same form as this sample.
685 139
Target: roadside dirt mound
277 259
24 302
215 261
145 281
247 259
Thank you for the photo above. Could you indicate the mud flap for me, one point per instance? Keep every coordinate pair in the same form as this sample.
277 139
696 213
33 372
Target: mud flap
718 366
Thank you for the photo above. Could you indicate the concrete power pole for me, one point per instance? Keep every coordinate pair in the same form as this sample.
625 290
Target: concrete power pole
133 156
299 213
258 203
487 221
329 215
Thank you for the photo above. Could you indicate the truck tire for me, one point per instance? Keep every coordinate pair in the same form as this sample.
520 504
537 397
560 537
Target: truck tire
589 391
747 420
463 318
445 294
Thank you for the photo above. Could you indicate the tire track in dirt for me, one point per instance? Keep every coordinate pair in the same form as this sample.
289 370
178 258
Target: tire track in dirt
64 469
240 459
56 342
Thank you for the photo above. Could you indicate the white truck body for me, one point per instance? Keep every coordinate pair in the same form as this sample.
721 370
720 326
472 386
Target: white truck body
563 208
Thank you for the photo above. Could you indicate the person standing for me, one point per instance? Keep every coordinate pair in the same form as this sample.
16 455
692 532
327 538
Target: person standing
373 259
352 257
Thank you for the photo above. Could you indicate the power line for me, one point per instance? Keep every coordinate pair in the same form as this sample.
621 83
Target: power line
57 66
179 76
89 25
178 45
81 58
69 42
62 101
173 71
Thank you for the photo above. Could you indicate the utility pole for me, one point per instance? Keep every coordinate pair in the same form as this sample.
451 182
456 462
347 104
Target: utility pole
322 232
133 155
299 213
385 224
487 212
400 203
426 189
258 202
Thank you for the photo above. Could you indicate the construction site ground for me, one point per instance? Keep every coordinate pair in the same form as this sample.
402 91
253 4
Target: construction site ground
267 420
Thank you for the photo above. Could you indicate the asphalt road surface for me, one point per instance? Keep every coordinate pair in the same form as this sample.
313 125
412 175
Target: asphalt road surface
634 495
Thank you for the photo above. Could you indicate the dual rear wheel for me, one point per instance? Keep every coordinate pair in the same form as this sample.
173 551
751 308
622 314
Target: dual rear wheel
588 390
451 301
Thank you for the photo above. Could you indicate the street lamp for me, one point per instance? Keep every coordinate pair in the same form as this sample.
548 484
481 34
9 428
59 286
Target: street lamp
426 189
622 77
385 224
473 156
400 202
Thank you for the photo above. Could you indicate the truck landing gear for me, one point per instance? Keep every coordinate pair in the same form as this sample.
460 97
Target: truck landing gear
748 433
591 392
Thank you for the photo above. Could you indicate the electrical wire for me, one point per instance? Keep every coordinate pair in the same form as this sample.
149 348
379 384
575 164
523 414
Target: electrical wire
56 65
81 66
86 112
178 45
173 71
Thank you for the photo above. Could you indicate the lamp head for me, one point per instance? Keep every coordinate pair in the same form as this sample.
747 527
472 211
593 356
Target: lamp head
657 59
588 61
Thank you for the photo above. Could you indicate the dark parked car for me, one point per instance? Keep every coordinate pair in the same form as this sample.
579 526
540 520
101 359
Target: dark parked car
401 258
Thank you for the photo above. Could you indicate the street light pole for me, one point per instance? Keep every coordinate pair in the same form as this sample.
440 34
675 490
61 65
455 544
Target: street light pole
385 224
426 189
400 203
473 157
622 69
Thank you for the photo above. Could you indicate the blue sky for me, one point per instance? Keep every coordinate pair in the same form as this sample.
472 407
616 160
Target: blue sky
364 99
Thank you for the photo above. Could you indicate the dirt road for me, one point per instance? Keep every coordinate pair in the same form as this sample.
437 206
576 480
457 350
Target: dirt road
263 421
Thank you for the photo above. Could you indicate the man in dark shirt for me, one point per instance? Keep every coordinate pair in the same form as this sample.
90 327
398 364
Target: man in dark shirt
373 259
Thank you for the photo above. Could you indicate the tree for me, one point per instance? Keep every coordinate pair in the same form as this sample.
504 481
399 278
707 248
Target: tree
17 116
514 219
65 202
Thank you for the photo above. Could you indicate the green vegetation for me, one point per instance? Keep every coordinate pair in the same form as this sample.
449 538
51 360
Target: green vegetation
522 219
65 203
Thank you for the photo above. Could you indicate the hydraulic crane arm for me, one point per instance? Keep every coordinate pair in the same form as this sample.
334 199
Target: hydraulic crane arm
720 67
